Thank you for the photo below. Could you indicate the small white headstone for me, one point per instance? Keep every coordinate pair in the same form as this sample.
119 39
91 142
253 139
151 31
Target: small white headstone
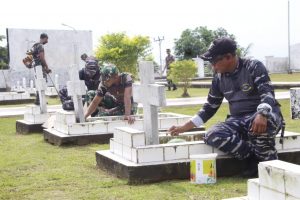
56 82
24 82
31 84
151 95
18 85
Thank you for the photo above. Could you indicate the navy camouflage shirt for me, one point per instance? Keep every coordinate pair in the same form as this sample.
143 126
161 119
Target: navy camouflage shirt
244 89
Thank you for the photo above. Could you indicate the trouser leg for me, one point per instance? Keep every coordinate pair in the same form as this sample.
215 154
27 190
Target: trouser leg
233 137
226 136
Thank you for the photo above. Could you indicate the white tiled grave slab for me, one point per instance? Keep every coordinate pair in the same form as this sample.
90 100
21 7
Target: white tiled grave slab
65 122
131 142
6 96
166 120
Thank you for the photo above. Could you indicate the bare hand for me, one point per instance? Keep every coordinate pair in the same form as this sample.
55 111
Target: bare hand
48 71
259 124
130 119
175 130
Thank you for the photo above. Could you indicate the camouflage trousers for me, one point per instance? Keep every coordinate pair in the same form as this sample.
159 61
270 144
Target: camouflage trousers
109 106
235 138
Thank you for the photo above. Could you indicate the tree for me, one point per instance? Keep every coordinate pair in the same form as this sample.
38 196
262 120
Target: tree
123 51
243 52
183 71
3 55
193 43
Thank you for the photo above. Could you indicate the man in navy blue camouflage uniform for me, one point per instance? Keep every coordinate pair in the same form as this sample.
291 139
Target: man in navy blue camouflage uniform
255 117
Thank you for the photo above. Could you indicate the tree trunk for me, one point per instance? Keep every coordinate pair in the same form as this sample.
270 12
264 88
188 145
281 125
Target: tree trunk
185 92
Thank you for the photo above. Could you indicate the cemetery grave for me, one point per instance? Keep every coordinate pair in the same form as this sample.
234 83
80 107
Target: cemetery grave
139 157
35 115
67 130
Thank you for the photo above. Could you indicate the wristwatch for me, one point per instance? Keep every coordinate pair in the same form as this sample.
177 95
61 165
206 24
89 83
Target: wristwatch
264 113
264 109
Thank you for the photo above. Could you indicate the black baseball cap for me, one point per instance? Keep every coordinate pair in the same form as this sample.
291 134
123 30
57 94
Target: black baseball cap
43 35
219 47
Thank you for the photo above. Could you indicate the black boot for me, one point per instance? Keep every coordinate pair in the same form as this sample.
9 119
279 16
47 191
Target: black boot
174 87
251 170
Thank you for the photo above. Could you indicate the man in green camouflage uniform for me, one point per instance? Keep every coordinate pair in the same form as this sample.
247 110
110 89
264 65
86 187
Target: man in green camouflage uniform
113 96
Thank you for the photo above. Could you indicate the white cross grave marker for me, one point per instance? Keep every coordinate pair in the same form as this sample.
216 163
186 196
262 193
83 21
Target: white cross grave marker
151 95
41 85
76 88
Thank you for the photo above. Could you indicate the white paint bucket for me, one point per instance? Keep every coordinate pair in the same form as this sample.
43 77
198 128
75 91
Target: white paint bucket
203 168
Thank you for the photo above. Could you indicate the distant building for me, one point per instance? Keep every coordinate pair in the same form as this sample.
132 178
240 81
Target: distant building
63 49
280 64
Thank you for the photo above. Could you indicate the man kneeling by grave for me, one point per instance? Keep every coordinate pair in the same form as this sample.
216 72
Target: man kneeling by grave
114 94
255 117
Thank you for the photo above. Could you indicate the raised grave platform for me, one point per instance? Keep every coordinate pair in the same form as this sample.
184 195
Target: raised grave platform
66 131
32 122
129 158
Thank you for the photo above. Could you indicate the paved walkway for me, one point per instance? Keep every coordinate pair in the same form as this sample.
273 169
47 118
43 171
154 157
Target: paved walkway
15 111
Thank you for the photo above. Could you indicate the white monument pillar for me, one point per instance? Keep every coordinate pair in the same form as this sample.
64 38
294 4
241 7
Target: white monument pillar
151 95
200 66
76 88
41 85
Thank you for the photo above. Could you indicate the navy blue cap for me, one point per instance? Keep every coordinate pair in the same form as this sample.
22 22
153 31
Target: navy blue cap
219 47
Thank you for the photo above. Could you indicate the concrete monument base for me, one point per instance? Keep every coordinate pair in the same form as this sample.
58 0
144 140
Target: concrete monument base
179 169
25 127
60 139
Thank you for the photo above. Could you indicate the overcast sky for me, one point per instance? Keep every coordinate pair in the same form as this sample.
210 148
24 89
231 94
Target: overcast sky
260 22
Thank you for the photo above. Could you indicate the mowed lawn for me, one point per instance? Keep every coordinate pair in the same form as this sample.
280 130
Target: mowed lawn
33 169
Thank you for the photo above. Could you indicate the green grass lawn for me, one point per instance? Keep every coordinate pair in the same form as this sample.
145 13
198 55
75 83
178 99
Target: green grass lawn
33 169
194 92
291 125
294 77
51 101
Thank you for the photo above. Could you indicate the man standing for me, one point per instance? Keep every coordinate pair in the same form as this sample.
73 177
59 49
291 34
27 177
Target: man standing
255 117
169 59
90 73
115 95
38 54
